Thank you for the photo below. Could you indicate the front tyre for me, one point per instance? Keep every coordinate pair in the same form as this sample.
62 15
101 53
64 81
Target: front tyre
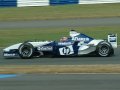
26 50
104 49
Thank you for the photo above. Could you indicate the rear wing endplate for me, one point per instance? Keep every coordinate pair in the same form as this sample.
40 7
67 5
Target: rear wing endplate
112 38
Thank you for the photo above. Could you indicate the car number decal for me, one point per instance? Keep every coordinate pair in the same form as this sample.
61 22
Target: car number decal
66 50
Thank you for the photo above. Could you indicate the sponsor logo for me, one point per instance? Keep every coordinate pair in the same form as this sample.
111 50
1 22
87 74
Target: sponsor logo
113 39
80 39
45 48
6 54
64 43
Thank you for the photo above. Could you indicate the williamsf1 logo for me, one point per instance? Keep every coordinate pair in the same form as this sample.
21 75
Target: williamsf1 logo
81 39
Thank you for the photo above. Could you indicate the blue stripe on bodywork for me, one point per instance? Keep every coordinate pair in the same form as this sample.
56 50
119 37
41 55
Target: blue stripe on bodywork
7 75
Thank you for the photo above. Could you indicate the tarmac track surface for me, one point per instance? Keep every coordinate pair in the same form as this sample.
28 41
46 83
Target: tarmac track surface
61 23
87 60
61 82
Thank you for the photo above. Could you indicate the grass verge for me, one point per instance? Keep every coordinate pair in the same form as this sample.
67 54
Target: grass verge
60 12
29 69
12 36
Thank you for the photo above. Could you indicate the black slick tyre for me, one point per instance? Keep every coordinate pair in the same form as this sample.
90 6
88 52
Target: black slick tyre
26 50
104 49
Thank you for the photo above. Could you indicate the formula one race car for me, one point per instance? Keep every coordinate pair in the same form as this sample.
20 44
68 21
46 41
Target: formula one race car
76 45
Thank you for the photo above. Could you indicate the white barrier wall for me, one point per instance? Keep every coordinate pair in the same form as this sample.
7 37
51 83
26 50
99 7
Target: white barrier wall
98 1
22 3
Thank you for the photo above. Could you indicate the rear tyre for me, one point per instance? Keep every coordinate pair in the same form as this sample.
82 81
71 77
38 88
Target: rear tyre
104 49
26 50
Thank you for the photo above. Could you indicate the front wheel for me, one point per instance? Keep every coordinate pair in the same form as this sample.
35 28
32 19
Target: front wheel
26 50
104 49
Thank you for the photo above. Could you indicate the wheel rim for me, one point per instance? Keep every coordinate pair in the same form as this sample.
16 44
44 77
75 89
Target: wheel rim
104 50
26 51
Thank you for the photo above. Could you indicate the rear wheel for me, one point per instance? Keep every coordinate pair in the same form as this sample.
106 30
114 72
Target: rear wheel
104 49
26 50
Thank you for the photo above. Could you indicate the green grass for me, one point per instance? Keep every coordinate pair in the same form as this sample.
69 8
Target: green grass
12 36
59 12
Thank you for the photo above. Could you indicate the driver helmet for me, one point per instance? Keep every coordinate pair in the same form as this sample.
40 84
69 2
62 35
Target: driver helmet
63 39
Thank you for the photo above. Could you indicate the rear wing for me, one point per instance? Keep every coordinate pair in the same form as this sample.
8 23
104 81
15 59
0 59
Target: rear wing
112 38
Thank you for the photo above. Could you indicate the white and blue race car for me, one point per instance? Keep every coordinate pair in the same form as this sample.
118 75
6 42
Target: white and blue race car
76 45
